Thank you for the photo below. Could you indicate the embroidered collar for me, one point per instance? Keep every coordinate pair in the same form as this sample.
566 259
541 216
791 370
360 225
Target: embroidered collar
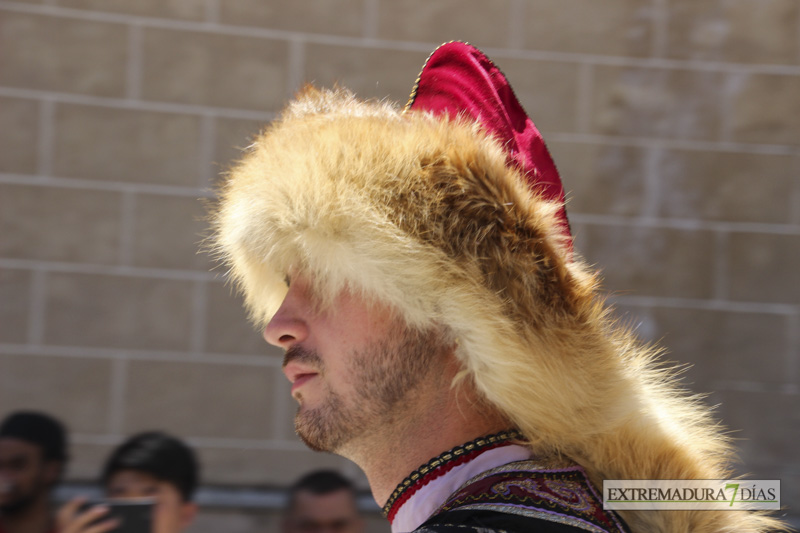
442 464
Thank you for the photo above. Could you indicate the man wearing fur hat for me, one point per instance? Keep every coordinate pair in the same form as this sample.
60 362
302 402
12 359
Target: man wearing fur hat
417 268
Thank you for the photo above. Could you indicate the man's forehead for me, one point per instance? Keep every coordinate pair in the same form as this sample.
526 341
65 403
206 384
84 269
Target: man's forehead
12 447
337 502
133 477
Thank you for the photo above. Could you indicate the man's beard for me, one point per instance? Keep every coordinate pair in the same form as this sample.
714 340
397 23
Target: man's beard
22 500
383 375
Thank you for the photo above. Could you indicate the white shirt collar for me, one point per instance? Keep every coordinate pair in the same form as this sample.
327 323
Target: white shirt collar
423 503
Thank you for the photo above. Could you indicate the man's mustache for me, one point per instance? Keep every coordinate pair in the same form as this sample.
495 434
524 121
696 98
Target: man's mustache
301 355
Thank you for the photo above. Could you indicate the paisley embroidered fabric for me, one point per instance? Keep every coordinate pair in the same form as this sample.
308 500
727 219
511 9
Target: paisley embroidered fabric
547 496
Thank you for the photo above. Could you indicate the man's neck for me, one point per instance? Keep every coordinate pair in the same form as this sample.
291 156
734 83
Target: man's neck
387 474
34 518
446 421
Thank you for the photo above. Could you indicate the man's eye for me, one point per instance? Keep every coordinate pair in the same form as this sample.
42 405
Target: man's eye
287 280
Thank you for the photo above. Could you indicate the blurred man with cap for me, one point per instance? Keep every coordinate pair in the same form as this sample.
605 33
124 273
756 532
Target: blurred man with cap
149 465
33 454
322 501
417 267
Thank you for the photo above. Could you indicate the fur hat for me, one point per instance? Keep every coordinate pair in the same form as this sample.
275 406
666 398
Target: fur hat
428 212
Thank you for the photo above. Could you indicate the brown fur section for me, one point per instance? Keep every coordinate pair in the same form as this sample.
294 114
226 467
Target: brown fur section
423 213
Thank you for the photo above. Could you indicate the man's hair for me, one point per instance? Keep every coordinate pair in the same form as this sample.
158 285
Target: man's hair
161 455
40 429
320 482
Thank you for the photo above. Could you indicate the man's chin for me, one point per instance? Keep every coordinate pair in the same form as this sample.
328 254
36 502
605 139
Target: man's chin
313 443
12 506
311 433
317 431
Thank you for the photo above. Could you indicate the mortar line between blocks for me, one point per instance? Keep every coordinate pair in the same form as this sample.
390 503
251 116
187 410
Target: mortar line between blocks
37 310
102 185
46 136
797 31
585 94
731 85
117 392
296 66
133 81
794 216
369 27
212 11
793 342
674 143
660 28
109 270
133 354
516 24
720 272
206 162
127 228
686 224
199 315
211 442
738 385
652 184
136 105
710 304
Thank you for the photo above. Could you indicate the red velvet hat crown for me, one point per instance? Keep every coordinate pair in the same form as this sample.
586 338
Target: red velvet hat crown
460 80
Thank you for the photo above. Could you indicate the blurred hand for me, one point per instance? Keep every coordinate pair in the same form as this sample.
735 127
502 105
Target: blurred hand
70 519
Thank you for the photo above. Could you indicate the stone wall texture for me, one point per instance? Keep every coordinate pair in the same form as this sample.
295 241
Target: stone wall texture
675 124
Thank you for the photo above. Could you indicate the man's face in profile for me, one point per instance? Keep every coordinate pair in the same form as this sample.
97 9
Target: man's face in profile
353 366
24 474
334 512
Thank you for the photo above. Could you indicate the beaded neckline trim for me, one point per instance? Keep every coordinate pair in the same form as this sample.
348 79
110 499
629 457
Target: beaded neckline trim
441 464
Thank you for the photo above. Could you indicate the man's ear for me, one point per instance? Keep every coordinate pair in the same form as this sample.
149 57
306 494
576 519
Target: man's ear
188 512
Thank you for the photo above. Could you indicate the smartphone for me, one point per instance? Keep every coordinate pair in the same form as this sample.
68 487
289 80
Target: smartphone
134 516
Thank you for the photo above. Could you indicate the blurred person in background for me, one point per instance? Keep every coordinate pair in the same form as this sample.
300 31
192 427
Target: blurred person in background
33 455
322 501
148 465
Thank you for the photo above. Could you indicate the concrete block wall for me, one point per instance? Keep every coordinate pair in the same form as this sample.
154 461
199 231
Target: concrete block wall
675 124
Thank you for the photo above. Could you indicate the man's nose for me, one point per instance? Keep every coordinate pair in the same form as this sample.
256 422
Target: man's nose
288 327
